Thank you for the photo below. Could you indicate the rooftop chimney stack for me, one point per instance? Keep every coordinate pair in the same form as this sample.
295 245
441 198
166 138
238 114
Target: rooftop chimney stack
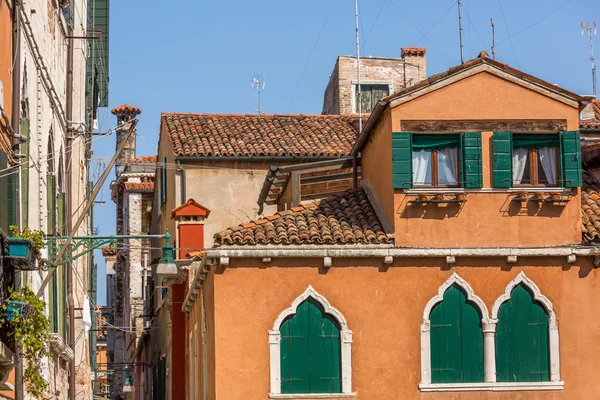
415 57
124 114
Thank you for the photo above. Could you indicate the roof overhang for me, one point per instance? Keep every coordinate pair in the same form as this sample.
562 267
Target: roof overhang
464 71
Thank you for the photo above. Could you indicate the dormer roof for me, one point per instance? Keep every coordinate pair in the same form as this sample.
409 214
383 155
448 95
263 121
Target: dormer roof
190 208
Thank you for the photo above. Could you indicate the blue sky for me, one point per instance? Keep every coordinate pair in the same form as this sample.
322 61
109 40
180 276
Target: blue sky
200 56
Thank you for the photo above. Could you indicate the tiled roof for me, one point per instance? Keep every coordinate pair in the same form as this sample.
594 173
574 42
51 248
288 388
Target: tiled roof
590 208
140 186
143 160
593 123
216 135
108 251
345 218
413 51
126 108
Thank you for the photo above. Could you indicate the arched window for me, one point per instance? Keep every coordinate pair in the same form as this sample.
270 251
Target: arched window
456 339
452 336
527 345
311 349
522 353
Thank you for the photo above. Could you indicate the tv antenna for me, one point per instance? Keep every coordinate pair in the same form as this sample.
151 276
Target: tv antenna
460 32
493 38
258 82
591 30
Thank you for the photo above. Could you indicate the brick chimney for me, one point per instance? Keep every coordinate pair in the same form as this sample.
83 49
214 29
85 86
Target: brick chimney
124 113
415 63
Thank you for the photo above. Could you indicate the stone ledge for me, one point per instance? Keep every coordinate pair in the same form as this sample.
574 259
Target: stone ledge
60 348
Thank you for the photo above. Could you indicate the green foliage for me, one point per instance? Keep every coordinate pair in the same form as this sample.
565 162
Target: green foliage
29 327
35 237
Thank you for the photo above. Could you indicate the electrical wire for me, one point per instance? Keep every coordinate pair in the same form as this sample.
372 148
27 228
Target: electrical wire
436 22
374 22
509 37
310 55
475 28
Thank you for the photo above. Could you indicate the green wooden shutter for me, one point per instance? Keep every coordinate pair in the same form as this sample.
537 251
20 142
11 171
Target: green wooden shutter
12 196
570 151
25 173
402 160
325 351
310 351
295 345
456 340
502 159
522 343
3 194
51 202
52 300
472 165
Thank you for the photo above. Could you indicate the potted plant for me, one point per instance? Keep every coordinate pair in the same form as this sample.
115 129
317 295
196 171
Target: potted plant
24 316
24 246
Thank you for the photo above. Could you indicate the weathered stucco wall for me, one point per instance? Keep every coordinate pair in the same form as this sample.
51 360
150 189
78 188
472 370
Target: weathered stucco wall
384 309
486 219
6 60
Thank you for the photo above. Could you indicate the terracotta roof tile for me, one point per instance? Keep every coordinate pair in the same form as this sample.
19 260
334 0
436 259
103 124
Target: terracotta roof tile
593 123
343 219
143 160
140 186
413 51
590 208
126 108
216 135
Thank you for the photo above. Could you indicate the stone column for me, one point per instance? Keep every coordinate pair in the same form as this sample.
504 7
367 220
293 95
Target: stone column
489 350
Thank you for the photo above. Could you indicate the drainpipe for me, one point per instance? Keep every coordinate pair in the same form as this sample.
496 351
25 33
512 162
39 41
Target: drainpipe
15 123
183 187
68 175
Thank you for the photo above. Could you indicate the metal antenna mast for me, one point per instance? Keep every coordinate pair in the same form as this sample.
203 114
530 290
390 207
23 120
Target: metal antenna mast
259 83
591 33
460 32
493 39
360 125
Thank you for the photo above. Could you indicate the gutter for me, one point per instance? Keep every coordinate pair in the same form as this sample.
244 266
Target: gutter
257 158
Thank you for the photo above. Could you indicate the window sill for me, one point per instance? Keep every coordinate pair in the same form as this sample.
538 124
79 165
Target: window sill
312 396
560 190
493 387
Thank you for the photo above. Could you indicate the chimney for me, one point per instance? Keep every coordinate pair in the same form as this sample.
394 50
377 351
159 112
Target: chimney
415 65
125 113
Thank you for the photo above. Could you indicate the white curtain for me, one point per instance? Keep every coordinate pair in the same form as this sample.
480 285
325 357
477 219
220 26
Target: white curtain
87 315
421 165
548 160
519 162
448 166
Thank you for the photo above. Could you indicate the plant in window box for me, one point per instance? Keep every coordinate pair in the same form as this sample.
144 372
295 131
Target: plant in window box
24 315
461 196
24 246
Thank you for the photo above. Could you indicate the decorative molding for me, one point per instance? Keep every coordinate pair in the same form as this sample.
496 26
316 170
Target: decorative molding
275 349
426 325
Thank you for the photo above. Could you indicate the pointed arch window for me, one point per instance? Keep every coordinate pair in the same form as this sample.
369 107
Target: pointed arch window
311 350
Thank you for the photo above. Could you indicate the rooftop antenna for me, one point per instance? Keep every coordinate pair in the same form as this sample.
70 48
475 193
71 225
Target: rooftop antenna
460 32
493 39
591 33
360 125
259 83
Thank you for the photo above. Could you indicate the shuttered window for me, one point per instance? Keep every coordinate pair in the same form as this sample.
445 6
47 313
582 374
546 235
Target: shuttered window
310 351
522 339
456 340
370 95
51 203
436 160
536 159
24 130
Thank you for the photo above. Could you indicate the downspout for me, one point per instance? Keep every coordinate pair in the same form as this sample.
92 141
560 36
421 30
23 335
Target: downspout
181 169
16 124
68 169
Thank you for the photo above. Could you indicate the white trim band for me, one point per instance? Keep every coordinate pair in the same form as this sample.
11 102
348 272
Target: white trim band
489 386
313 396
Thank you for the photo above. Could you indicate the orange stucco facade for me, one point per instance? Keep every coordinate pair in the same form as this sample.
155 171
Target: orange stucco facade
384 308
488 218
6 51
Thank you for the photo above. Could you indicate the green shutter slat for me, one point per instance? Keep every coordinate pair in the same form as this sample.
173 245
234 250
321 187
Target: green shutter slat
502 159
401 160
51 203
296 355
3 194
522 343
570 150
456 340
472 163
324 338
25 173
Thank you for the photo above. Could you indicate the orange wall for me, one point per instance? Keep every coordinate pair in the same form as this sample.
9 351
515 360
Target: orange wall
485 220
384 309
6 52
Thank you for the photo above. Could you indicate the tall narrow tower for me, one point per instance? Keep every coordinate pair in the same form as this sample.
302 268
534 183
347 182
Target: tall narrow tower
124 113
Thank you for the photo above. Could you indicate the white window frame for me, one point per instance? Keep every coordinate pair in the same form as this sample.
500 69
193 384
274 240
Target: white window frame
346 350
353 84
489 341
